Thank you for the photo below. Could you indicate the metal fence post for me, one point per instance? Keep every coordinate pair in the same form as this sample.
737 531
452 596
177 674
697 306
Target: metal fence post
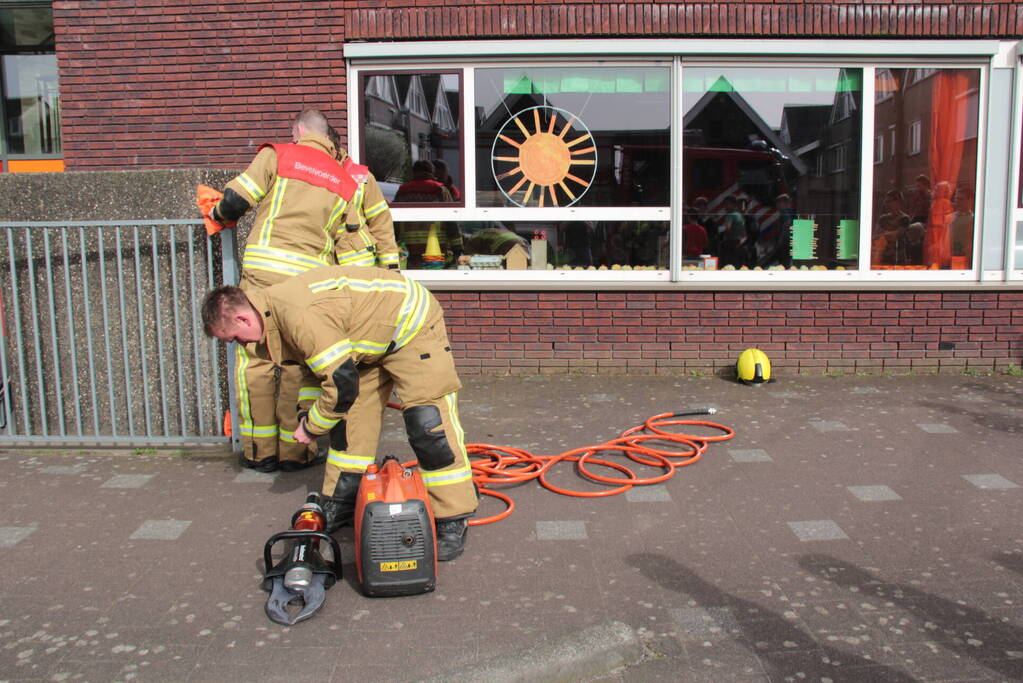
229 255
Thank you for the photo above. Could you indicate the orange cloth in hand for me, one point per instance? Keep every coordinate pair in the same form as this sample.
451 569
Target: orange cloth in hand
206 198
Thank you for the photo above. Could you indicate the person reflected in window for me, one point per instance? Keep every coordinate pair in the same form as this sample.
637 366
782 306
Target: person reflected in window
774 243
494 240
702 216
443 175
891 231
733 234
425 188
919 204
937 248
694 238
962 229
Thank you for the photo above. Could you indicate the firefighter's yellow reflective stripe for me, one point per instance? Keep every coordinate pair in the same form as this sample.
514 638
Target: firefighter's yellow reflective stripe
358 285
388 259
288 436
324 358
451 401
309 393
272 266
276 202
252 187
324 423
445 477
359 196
345 459
257 431
362 257
412 314
375 210
290 258
366 346
331 226
241 362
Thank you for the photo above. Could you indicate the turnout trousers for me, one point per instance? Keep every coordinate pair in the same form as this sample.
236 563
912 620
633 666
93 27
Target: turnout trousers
423 375
269 397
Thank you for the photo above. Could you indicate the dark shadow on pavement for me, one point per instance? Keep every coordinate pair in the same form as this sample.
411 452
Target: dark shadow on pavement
753 620
960 628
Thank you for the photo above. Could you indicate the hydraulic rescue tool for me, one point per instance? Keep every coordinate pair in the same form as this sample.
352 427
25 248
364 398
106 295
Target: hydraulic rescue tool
395 544
302 576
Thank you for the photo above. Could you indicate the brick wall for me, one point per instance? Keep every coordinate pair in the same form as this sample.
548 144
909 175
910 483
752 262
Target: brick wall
188 84
673 333
185 84
549 18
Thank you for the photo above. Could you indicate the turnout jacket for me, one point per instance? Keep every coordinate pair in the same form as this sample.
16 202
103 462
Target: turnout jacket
304 200
366 236
334 319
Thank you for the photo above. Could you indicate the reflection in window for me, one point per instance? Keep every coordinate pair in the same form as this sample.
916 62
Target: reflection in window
771 164
28 73
411 133
924 198
573 136
565 245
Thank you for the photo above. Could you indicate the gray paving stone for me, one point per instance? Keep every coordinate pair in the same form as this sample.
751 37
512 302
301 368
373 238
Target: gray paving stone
64 469
817 530
704 622
990 481
939 428
656 493
161 529
127 481
561 531
10 536
254 477
829 426
872 493
749 455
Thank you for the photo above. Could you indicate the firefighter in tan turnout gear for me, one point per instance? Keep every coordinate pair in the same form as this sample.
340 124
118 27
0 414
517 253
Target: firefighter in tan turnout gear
311 210
364 332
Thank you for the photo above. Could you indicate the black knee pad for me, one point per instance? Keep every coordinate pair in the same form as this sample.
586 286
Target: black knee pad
431 448
346 379
339 436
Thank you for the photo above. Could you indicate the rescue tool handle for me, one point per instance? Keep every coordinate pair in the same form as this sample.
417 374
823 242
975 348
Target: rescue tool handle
335 562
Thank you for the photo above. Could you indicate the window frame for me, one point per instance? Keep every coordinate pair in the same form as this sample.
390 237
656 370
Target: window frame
865 55
6 156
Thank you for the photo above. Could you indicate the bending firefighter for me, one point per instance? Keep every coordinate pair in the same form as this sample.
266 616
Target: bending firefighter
309 208
363 332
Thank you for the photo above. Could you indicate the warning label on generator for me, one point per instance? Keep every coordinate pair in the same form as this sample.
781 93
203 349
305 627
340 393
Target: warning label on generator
402 566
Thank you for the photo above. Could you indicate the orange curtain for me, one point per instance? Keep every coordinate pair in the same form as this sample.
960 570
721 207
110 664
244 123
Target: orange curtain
948 130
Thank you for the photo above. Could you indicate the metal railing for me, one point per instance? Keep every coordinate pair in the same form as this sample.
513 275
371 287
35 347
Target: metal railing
102 342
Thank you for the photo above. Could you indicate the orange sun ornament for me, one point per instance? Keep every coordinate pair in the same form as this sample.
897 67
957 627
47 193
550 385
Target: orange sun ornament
544 156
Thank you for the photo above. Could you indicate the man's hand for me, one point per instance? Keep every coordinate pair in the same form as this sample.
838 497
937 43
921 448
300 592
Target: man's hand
301 435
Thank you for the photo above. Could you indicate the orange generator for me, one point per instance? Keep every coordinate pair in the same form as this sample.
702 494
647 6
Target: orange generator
395 544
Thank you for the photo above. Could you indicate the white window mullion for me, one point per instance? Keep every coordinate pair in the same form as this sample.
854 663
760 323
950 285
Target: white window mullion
866 170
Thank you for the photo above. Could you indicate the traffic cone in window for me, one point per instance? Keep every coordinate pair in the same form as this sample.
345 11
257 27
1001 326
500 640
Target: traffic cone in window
227 423
433 257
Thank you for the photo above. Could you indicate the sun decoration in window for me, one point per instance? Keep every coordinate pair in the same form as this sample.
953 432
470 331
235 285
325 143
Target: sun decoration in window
544 156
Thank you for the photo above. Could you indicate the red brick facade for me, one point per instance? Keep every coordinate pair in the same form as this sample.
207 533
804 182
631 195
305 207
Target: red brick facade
679 332
185 84
179 84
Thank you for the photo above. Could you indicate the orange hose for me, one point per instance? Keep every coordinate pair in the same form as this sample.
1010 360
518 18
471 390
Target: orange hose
503 465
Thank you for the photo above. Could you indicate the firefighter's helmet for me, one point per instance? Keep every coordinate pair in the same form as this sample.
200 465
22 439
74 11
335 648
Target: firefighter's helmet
753 367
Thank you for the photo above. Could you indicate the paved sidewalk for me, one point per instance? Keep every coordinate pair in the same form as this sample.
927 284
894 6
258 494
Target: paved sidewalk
855 529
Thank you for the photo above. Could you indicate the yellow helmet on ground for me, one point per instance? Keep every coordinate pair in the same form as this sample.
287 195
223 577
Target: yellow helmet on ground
753 367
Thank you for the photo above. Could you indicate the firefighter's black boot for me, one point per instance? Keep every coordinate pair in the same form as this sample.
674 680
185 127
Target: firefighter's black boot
451 537
339 509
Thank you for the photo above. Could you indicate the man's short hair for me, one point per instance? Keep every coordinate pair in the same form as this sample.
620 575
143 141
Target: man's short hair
313 120
219 303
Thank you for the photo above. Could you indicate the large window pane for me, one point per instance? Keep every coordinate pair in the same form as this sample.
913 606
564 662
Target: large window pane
578 245
412 136
573 136
772 164
924 193
31 104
